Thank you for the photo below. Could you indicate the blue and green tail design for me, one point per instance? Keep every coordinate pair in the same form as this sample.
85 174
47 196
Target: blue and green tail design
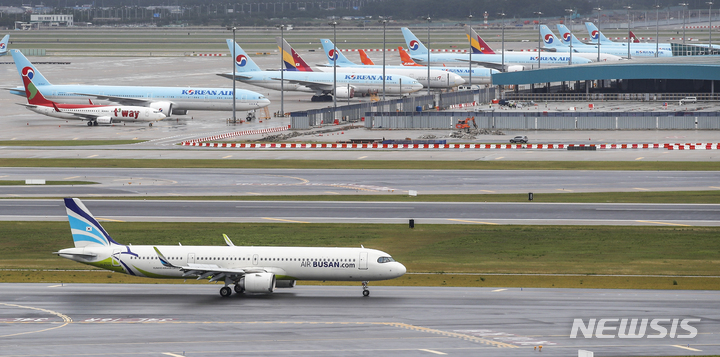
86 230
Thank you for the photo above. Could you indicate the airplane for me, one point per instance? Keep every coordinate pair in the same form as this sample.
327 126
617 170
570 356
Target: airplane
365 59
168 100
552 42
596 35
94 114
439 78
480 75
419 53
257 270
4 45
567 36
319 83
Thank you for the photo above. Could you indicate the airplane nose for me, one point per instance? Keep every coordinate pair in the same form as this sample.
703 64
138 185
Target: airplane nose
459 80
401 270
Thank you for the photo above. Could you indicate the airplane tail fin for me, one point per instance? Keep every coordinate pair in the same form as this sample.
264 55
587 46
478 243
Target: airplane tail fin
365 59
330 52
549 39
595 33
634 38
23 65
565 36
476 42
32 93
243 62
4 45
86 230
292 59
405 58
414 45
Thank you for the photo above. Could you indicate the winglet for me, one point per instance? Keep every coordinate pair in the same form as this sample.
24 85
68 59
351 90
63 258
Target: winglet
162 258
228 241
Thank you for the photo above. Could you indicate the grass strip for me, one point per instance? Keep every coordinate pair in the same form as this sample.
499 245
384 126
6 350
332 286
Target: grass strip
686 255
22 183
66 142
362 164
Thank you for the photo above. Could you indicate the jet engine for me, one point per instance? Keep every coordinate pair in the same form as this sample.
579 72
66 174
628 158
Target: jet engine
259 283
516 68
179 111
163 107
104 120
343 92
281 284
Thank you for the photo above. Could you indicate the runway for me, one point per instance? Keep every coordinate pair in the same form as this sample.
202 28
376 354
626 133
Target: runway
530 213
193 320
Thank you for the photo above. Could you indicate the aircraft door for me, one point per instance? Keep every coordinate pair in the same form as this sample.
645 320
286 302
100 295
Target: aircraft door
255 259
191 258
363 261
116 258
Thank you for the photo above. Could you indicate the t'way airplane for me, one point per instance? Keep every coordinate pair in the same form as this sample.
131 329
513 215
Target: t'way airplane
4 45
94 114
249 269
169 100
322 84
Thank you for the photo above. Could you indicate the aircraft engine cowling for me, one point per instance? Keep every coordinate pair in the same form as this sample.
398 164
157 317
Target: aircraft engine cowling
516 68
259 283
282 284
179 111
104 120
163 107
343 92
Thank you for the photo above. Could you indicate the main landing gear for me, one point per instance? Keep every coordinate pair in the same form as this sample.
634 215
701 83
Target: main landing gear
366 292
92 123
225 291
321 98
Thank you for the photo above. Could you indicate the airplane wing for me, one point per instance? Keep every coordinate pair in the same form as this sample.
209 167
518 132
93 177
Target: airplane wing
491 65
120 100
320 86
204 271
237 76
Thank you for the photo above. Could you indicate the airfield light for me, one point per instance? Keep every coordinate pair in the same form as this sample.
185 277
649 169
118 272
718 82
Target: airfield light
710 3
384 23
428 49
282 71
469 53
684 5
598 37
503 41
538 13
233 28
628 33
334 25
571 11
657 29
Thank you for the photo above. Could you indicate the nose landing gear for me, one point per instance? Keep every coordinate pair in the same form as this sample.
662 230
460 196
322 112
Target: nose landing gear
366 291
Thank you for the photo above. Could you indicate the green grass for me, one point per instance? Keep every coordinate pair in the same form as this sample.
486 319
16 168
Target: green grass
675 252
362 164
22 183
66 142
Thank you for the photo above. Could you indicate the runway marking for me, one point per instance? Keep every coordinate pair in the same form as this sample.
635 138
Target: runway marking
562 189
667 223
361 157
501 157
641 189
487 191
715 187
92 156
254 193
108 219
687 348
332 193
639 158
171 354
55 286
71 177
302 180
226 157
431 351
283 220
478 222
498 290
453 334
65 318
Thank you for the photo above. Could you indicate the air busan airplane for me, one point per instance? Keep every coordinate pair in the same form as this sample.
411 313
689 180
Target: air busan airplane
348 84
257 270
438 77
550 41
168 100
4 45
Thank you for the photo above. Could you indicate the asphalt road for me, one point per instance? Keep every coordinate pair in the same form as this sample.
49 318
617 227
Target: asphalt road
193 320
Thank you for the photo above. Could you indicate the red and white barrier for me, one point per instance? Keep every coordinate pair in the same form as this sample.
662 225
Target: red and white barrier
209 55
395 50
616 38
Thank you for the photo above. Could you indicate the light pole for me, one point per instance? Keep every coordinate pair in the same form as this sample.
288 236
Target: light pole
234 63
710 3
538 13
384 22
335 56
503 41
571 11
657 29
628 32
469 53
598 38
282 71
683 5
428 47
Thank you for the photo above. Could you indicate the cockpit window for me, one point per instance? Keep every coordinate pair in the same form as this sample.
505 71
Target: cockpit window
385 260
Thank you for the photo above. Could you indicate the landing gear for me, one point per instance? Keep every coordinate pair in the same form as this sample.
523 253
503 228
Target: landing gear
250 117
150 125
366 292
239 289
321 98
90 122
225 291
95 123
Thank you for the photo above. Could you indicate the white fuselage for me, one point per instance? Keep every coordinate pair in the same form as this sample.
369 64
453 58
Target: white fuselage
438 78
362 84
117 113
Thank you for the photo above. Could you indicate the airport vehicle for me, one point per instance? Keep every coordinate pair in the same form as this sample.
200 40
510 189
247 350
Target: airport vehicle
168 100
419 53
596 35
4 45
480 75
688 100
552 42
438 77
248 269
94 114
464 124
519 139
320 83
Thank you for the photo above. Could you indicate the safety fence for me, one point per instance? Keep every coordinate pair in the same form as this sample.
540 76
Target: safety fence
380 146
584 97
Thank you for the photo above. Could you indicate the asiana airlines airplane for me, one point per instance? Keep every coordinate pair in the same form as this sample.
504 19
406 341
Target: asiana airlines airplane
258 270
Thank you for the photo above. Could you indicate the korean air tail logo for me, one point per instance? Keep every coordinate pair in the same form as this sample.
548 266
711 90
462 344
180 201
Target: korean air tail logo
548 38
567 36
595 34
2 46
241 60
28 72
414 45
332 55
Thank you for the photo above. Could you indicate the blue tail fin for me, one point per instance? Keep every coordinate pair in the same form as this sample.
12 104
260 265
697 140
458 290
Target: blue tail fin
330 48
24 66
416 47
4 45
243 62
549 39
595 34
566 36
86 230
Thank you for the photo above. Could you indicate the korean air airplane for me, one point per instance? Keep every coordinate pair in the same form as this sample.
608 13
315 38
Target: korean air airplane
419 53
595 34
348 84
438 77
4 45
552 42
258 270
94 114
480 75
168 100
